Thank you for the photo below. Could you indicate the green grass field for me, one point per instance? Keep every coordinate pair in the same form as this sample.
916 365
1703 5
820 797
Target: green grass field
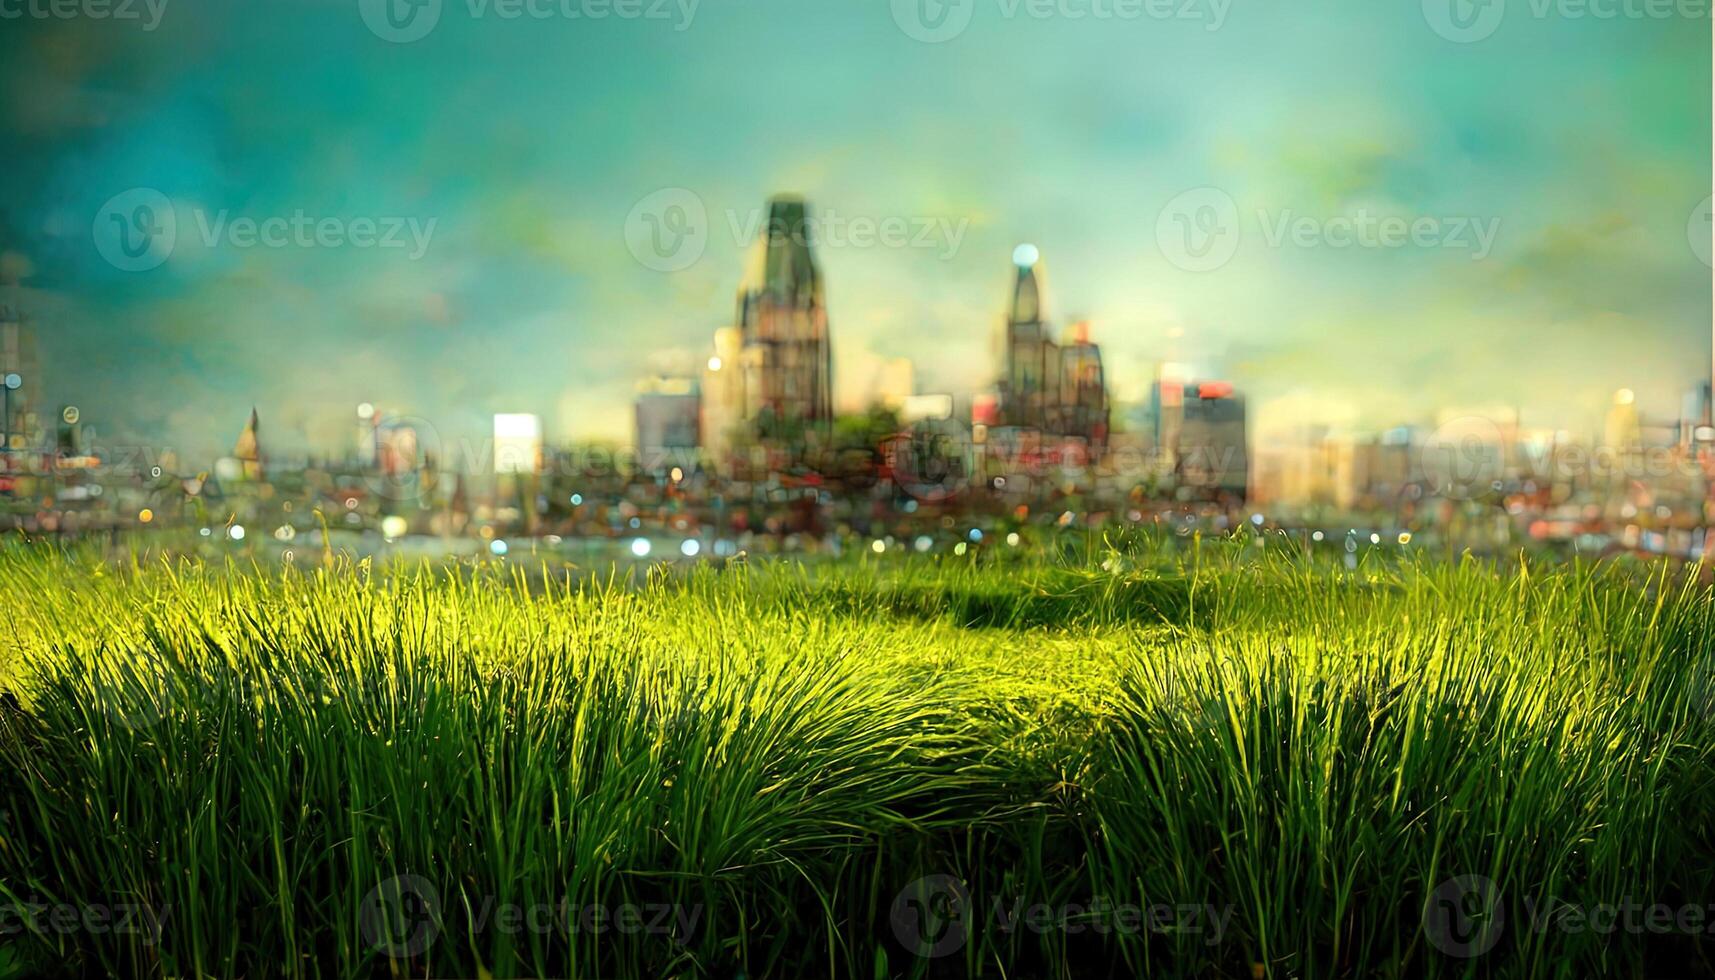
1167 759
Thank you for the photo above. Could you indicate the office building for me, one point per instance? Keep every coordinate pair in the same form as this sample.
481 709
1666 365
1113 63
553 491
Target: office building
1083 391
668 417
1211 453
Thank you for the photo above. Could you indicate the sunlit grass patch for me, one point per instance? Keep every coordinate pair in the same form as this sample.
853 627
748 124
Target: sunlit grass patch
1226 762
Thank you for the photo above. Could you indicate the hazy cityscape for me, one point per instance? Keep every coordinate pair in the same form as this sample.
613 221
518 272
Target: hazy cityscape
749 455
893 489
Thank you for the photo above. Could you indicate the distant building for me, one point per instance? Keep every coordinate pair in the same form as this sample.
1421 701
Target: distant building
1211 454
1166 411
668 424
248 450
368 420
398 449
1294 471
770 378
1058 391
20 382
1030 377
1623 429
1083 391
723 397
787 358
1695 419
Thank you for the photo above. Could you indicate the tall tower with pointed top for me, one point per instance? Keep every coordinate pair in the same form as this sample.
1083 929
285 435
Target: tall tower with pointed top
788 360
248 451
1031 378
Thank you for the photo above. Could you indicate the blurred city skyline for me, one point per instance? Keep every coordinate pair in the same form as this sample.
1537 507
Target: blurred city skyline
1360 215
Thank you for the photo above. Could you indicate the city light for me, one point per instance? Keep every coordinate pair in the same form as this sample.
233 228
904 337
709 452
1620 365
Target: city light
640 547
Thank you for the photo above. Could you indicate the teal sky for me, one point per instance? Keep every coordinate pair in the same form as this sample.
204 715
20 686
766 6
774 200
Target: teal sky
1583 143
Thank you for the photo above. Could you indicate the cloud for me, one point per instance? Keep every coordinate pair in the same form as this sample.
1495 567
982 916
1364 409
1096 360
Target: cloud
530 143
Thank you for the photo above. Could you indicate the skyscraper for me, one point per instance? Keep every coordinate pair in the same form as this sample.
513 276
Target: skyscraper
1054 389
784 325
1083 391
1030 384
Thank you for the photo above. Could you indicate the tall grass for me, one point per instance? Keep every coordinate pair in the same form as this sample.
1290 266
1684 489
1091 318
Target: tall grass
1275 765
